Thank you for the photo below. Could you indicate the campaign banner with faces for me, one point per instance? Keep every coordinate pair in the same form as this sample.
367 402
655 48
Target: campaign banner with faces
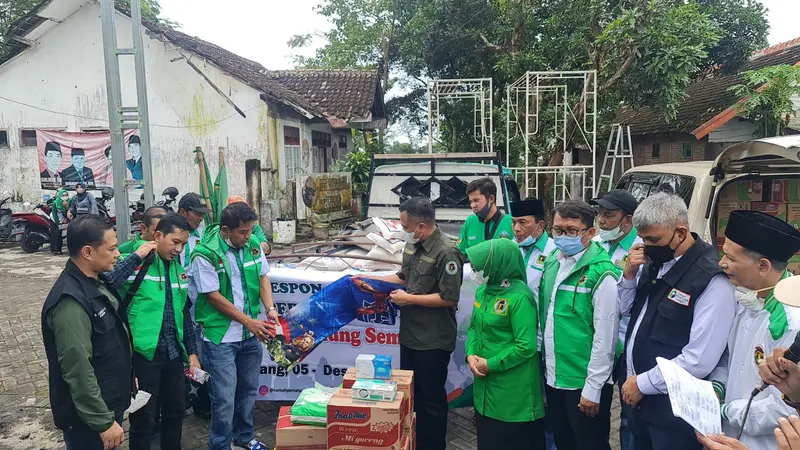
66 159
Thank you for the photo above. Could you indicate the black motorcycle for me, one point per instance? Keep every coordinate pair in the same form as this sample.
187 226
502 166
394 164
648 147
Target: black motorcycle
6 221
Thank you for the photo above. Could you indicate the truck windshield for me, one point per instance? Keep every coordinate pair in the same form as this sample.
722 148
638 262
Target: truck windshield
645 184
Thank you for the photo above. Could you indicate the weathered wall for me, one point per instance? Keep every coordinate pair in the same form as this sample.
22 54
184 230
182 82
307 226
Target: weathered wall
65 73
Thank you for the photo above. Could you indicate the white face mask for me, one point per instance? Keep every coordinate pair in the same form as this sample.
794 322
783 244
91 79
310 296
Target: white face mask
229 243
749 298
611 235
408 237
478 278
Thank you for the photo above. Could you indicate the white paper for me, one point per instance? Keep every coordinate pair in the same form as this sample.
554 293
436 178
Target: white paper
692 399
138 402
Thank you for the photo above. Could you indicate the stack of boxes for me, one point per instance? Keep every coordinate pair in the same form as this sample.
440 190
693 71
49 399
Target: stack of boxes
372 411
777 197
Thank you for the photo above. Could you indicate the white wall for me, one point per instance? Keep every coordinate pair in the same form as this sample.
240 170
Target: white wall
65 73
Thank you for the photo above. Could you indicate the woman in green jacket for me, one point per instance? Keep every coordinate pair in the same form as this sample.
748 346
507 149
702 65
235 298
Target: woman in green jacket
58 215
501 351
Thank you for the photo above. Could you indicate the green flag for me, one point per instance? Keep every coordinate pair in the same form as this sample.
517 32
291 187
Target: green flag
220 195
206 188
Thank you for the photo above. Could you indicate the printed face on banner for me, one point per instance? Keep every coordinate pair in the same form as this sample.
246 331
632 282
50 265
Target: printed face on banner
66 159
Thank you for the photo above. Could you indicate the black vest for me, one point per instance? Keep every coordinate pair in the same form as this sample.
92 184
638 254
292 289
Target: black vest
667 323
111 348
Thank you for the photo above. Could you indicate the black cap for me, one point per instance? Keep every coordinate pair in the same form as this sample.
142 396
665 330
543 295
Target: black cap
763 234
527 207
134 140
617 199
52 146
193 202
77 151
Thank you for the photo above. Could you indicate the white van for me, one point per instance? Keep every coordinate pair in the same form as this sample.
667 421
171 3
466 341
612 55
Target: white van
763 174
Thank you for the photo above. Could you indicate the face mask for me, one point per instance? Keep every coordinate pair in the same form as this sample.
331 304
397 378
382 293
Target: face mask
484 212
408 237
660 254
749 299
611 235
569 245
229 243
478 278
530 240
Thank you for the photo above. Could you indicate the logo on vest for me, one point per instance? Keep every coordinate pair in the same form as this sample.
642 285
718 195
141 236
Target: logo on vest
758 355
451 268
679 297
582 280
255 252
541 259
500 307
184 277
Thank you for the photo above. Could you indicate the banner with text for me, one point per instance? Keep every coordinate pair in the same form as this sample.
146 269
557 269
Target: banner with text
328 362
66 159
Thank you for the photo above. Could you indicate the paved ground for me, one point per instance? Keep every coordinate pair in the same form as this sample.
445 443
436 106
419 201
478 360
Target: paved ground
25 419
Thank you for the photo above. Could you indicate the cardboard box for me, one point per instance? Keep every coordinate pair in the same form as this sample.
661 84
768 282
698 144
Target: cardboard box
793 214
289 436
724 210
410 430
743 191
364 425
374 390
406 445
773 209
370 367
785 191
403 378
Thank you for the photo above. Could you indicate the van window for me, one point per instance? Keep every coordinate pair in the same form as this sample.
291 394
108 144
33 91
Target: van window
644 184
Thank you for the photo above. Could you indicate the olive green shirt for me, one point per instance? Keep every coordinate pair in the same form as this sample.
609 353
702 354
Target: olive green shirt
73 336
430 267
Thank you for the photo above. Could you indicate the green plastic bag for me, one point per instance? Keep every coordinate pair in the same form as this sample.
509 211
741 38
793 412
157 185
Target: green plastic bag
311 407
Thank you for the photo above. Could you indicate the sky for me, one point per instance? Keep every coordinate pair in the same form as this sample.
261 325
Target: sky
260 29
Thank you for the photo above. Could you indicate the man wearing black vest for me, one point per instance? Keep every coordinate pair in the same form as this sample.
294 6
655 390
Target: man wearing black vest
87 340
682 308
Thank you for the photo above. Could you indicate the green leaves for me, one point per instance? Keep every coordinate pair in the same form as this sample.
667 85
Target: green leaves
766 97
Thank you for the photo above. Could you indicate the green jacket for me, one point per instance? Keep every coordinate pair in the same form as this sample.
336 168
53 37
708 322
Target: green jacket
259 233
503 330
573 312
473 231
131 245
146 310
213 249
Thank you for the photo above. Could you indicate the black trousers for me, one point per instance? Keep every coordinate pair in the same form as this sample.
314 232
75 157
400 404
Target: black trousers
164 380
672 434
572 429
55 238
430 395
498 435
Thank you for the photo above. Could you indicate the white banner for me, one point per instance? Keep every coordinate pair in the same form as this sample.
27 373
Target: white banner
330 360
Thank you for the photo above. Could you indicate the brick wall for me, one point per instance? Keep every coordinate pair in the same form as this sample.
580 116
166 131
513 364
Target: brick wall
670 149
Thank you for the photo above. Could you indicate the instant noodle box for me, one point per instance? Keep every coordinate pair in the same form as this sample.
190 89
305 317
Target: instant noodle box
410 431
785 191
773 209
403 378
744 191
361 425
289 436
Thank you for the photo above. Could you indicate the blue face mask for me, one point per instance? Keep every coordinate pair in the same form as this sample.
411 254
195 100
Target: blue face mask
569 245
530 240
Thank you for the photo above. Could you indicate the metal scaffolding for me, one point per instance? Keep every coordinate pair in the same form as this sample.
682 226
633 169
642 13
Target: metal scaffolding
123 118
527 100
479 90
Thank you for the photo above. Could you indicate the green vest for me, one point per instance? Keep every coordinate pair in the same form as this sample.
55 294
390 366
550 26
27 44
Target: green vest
573 312
213 249
473 231
131 245
146 310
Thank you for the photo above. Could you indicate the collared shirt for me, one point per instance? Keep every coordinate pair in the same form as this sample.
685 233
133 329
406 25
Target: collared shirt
429 267
168 347
205 278
605 321
713 316
122 270
619 256
534 256
194 238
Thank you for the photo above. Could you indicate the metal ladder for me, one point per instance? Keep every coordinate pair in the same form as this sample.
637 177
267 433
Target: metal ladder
622 150
121 118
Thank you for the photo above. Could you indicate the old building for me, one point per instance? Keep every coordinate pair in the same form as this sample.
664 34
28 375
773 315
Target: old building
707 120
296 121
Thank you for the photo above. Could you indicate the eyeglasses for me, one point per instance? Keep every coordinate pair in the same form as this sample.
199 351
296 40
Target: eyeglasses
570 232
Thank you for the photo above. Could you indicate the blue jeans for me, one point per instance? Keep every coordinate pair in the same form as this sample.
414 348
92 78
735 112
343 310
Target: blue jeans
550 440
84 439
625 436
234 369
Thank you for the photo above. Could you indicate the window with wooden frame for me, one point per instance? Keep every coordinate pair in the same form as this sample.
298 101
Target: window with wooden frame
686 150
320 139
655 151
27 138
291 151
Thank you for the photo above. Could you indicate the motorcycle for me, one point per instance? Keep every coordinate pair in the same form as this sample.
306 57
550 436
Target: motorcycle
33 228
6 220
106 194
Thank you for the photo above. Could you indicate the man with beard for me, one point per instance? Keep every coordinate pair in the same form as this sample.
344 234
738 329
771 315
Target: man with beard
78 172
757 249
488 222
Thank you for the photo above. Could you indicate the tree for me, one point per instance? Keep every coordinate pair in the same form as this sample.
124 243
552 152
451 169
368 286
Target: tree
766 98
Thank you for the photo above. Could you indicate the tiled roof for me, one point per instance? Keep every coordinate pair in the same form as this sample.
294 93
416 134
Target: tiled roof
337 95
707 97
340 92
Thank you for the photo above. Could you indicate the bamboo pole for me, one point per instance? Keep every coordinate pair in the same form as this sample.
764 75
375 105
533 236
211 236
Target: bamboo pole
204 181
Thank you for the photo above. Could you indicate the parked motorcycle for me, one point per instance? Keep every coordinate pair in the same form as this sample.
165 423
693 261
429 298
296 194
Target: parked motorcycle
34 227
106 194
6 220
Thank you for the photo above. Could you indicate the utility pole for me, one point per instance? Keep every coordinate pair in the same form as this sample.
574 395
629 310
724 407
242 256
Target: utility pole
121 118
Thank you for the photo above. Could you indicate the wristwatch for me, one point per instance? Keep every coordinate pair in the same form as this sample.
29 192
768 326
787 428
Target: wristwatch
271 308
